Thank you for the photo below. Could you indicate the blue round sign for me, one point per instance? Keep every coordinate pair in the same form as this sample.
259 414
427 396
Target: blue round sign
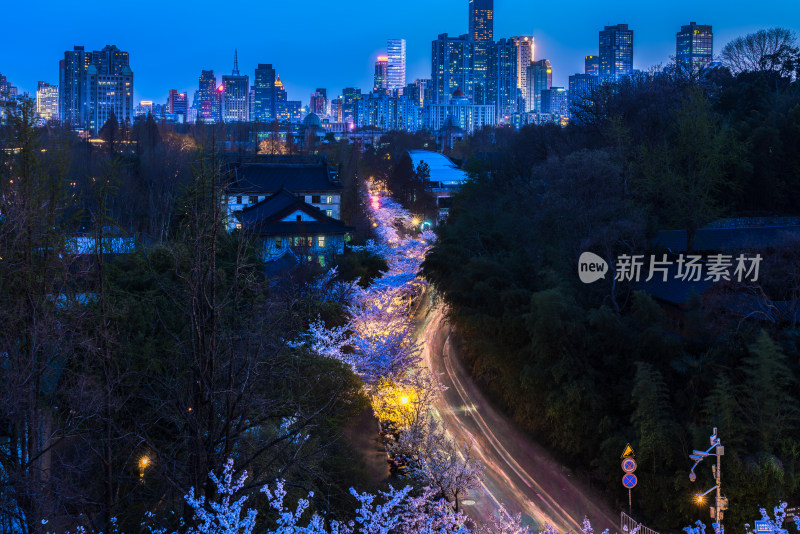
629 480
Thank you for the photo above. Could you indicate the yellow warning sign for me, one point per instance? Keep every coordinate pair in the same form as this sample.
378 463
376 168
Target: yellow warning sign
628 453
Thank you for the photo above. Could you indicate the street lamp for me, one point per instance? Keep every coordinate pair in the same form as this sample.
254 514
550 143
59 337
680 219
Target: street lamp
720 502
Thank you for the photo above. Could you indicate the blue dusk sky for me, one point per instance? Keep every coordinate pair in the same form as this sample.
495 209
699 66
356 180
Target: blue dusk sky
334 44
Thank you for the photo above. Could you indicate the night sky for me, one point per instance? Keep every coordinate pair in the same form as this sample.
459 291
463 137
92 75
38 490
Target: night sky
334 44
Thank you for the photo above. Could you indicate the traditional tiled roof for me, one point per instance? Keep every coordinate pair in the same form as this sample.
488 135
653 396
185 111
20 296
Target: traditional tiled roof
266 217
271 175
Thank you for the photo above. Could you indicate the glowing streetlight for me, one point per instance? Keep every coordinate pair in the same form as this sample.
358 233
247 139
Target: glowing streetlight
403 400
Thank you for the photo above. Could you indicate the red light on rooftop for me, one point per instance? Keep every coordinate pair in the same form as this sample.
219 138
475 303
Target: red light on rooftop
221 88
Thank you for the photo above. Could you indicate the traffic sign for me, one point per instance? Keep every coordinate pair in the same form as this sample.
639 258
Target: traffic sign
629 480
629 465
628 452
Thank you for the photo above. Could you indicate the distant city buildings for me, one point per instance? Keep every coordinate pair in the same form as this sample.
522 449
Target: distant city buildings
235 94
264 93
525 56
694 46
381 76
47 101
592 65
503 78
451 67
178 104
396 54
616 52
209 98
481 36
540 78
93 86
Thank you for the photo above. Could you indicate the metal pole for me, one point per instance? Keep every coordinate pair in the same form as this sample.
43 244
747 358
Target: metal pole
719 481
630 511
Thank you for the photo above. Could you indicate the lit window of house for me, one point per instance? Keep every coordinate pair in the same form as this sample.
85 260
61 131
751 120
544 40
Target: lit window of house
321 241
329 200
329 213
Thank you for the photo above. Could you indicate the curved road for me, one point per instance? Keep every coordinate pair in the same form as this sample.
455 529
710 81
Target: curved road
519 474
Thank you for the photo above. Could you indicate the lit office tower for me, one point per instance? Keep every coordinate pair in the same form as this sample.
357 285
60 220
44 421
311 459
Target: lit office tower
694 46
381 74
210 97
317 103
350 97
264 93
616 52
592 66
581 87
92 85
47 101
396 49
481 34
451 67
540 78
235 94
554 100
72 74
525 55
503 77
177 103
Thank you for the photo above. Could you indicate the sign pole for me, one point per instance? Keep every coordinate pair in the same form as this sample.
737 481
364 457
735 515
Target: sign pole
630 508
629 467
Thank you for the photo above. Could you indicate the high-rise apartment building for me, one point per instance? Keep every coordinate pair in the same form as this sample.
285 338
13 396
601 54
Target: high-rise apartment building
616 52
694 46
264 93
503 77
318 103
525 56
210 97
396 53
592 65
581 87
235 94
451 67
92 85
350 98
46 101
540 78
481 20
554 100
381 77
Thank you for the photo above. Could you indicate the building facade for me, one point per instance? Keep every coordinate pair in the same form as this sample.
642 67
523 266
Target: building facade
694 46
525 56
451 67
503 68
381 75
592 65
209 99
264 93
540 78
235 94
396 52
459 112
481 36
47 101
616 52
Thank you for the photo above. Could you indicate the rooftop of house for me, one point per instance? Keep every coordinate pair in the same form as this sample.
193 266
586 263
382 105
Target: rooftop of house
271 173
266 217
442 168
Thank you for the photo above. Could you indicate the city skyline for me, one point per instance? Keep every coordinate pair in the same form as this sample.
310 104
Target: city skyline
351 62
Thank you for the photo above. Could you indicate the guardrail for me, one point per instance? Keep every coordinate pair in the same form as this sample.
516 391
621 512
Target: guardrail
628 525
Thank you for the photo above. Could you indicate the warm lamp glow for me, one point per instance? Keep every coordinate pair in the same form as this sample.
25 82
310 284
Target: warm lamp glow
403 400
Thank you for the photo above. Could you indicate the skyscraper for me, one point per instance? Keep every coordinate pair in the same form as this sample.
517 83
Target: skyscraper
381 78
46 100
554 100
525 56
318 103
396 49
592 66
481 20
264 93
209 97
616 52
540 78
71 82
350 97
694 47
236 94
93 85
451 67
580 88
481 34
503 68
